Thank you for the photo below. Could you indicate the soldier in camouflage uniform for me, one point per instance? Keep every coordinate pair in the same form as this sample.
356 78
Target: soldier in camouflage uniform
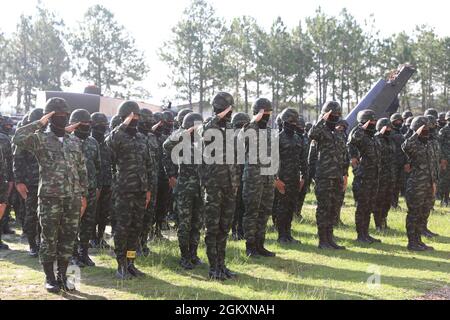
405 116
6 179
292 174
189 199
388 160
444 138
365 154
221 182
331 165
91 152
62 188
421 184
238 121
433 141
341 132
115 122
100 125
399 159
257 189
134 182
300 131
26 174
146 122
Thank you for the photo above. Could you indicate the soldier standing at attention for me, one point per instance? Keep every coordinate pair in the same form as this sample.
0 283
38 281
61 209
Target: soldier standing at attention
134 182
422 183
292 174
388 172
238 121
189 199
26 173
6 179
341 131
258 191
62 188
145 124
300 131
103 213
444 137
82 119
365 156
330 172
399 159
221 184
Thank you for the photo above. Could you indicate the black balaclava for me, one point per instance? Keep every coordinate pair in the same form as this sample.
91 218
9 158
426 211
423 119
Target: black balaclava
144 127
397 125
132 127
289 128
58 124
332 121
300 131
227 119
83 131
98 132
371 129
264 121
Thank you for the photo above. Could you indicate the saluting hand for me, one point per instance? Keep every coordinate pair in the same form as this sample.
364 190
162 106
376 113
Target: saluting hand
257 118
225 112
72 127
156 126
327 115
44 120
129 119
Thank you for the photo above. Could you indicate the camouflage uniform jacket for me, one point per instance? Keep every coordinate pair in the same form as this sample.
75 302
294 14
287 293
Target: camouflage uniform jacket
444 138
423 166
106 164
25 167
366 150
5 167
132 161
388 155
293 158
331 153
92 159
398 138
62 168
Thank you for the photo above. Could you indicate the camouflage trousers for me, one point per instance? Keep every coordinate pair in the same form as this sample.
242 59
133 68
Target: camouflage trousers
103 212
31 225
149 217
162 201
365 192
328 202
130 211
384 201
397 182
287 204
444 184
301 198
258 195
59 219
239 212
220 204
113 207
419 199
86 225
190 218
341 198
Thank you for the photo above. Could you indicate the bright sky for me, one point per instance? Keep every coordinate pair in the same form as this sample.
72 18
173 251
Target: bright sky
150 22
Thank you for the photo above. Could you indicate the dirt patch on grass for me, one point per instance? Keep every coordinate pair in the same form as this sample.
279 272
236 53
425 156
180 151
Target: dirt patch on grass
437 294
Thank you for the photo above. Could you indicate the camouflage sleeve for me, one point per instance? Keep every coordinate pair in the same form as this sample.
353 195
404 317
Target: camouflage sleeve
353 144
26 138
168 145
444 136
304 162
82 173
112 143
98 166
19 165
150 168
317 130
346 164
409 146
9 163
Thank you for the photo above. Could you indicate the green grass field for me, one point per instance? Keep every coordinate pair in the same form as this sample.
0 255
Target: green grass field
298 271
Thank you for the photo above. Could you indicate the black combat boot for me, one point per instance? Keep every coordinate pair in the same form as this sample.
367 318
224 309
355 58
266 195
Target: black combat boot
76 259
133 270
228 273
323 240
413 244
263 251
122 270
185 261
195 260
216 274
282 232
51 285
250 250
34 251
84 257
427 233
63 283
331 241
372 239
3 246
421 243
289 233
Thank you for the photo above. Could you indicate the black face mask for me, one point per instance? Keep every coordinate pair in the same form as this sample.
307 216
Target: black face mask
83 131
397 125
98 132
333 118
387 133
227 119
58 125
442 124
264 121
300 131
132 127
289 128
432 130
371 128
142 128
